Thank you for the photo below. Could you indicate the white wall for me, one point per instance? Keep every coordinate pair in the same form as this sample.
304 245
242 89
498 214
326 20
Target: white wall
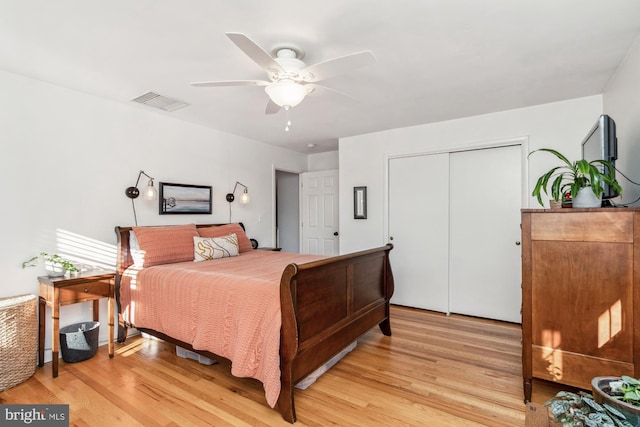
67 158
322 161
362 159
622 103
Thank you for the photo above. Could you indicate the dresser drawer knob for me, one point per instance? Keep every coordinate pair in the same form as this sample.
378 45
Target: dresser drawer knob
86 290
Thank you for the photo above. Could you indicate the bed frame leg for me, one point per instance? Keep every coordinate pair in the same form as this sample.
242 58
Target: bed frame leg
122 330
285 400
385 327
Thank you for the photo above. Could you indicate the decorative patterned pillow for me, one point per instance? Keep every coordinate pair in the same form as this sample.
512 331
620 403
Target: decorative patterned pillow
206 248
166 244
222 230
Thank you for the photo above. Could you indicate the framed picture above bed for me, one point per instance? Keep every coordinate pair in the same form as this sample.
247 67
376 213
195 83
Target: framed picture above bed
184 199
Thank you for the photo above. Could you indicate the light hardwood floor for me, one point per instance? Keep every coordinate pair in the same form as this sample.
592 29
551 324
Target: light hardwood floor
435 370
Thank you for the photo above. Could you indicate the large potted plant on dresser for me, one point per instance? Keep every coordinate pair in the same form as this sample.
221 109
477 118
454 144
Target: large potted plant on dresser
582 179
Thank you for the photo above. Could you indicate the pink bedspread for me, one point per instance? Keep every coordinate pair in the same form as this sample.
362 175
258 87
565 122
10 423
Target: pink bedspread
229 306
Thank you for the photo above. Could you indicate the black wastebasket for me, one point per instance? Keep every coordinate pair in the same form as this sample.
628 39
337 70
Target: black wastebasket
79 341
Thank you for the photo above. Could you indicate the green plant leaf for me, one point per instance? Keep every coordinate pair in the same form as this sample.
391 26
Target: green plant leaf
556 187
614 411
555 153
629 380
593 404
30 262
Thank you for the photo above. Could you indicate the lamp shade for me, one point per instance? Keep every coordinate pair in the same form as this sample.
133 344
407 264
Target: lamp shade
286 93
245 197
150 192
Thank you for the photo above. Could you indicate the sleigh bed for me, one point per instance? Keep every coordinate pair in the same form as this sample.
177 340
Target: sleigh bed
318 306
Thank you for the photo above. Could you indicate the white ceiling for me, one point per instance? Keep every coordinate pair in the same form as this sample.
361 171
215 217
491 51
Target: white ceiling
436 59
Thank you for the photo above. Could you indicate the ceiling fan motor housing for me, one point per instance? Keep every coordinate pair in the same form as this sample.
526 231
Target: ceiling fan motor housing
288 60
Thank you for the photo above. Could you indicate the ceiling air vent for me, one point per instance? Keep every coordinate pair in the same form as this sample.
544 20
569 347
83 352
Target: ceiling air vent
154 100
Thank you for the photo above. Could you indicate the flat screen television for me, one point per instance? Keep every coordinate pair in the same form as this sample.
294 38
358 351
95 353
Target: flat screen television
601 144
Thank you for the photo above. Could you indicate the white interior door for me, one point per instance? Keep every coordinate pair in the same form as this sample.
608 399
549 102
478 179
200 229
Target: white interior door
418 217
485 275
320 213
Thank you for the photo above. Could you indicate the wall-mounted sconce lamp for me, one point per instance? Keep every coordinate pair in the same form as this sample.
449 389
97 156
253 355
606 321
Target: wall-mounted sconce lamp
149 193
244 198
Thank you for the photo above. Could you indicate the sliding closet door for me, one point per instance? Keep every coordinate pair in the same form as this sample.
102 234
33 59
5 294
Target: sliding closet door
484 275
418 218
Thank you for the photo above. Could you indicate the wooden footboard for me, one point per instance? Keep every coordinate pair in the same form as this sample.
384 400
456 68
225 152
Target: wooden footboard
325 306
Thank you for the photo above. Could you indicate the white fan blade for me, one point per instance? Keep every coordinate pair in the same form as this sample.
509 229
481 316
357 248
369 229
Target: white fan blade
255 52
314 86
272 107
231 83
333 67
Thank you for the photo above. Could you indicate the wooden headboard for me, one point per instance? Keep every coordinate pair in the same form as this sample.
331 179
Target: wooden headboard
124 259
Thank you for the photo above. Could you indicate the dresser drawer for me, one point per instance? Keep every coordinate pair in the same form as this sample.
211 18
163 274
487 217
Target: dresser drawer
610 226
84 292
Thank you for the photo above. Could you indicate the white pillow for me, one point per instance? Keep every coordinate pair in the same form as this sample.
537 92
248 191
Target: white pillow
134 248
206 248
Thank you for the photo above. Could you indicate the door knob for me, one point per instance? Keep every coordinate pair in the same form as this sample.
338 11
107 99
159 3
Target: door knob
335 233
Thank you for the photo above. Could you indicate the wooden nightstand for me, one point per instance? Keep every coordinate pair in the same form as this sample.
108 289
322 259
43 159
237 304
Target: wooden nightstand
57 291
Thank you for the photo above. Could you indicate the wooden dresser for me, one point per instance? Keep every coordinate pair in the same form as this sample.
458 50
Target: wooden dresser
579 289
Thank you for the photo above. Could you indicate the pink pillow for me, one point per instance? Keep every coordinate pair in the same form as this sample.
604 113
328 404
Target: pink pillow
167 244
222 230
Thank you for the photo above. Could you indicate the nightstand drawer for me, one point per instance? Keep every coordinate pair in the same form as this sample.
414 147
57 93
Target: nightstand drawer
84 292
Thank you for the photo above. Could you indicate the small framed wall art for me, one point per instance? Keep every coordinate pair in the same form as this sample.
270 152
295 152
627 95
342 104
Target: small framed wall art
184 199
359 202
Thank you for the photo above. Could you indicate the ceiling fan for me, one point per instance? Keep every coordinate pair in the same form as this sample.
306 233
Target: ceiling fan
290 79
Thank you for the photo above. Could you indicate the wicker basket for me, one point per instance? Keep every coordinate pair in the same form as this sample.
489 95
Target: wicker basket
18 339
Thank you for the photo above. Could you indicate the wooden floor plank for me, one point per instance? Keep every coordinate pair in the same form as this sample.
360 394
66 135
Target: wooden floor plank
434 370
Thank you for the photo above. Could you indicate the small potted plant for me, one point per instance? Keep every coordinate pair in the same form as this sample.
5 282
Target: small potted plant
55 264
580 409
621 393
572 177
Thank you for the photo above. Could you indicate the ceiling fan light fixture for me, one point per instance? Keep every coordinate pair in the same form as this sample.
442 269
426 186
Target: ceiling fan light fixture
286 93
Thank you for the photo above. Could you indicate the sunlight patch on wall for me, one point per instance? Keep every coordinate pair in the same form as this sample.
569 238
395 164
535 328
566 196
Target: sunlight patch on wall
609 323
91 253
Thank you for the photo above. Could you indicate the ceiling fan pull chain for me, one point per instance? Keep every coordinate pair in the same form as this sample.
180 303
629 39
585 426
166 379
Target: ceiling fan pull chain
286 116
